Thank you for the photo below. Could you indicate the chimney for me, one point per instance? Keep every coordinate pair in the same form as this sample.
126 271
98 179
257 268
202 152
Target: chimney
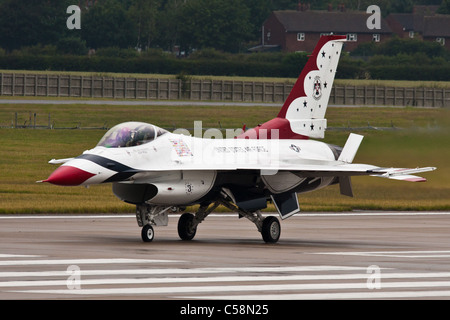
303 6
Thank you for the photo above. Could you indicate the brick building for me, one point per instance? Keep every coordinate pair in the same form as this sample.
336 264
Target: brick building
423 23
437 28
300 30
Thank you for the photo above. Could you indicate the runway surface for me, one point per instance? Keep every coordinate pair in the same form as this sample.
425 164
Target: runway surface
319 256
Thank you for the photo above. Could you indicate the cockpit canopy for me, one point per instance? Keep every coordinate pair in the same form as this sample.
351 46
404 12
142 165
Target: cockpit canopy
130 134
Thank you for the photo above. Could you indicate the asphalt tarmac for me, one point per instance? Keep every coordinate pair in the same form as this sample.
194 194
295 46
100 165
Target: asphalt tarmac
359 255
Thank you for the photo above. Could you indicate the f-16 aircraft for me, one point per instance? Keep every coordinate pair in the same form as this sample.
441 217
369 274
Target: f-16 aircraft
162 172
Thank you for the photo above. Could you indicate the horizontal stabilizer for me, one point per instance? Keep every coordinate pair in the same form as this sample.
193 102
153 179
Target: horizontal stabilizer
403 174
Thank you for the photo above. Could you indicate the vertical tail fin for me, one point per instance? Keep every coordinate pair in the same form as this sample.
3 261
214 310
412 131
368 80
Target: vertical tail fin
303 112
307 103
347 155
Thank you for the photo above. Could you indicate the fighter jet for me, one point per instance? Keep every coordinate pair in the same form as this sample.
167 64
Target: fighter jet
162 172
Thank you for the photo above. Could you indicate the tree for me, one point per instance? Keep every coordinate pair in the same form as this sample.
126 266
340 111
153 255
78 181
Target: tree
107 24
169 24
408 46
259 12
143 15
29 22
445 7
220 24
71 45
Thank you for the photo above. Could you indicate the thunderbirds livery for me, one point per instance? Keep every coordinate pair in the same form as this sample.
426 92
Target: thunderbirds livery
161 172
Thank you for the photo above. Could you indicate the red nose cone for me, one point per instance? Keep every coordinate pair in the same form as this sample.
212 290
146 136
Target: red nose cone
68 176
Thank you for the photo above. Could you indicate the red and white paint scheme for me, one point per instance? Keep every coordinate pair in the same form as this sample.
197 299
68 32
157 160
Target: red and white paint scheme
303 113
162 172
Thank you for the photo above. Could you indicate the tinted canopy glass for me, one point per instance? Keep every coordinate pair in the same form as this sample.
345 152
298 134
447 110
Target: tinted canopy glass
130 134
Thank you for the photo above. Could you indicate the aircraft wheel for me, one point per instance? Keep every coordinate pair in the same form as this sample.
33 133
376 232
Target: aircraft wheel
147 233
271 229
185 230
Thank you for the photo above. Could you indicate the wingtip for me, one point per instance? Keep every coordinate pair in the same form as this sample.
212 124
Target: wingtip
417 179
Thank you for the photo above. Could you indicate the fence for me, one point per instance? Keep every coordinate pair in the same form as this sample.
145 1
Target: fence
38 85
390 96
32 120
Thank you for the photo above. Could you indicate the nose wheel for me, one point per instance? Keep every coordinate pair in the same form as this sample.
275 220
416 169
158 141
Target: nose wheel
147 233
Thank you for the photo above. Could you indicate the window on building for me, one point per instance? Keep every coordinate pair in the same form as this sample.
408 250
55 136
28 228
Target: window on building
376 37
441 41
411 34
352 37
300 36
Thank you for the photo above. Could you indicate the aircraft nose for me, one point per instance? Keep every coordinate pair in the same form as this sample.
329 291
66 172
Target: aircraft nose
68 176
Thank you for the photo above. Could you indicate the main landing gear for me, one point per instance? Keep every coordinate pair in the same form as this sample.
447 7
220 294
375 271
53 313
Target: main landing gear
148 216
271 229
186 226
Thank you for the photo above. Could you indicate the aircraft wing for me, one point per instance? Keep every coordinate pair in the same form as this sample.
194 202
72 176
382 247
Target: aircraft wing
326 169
402 173
343 170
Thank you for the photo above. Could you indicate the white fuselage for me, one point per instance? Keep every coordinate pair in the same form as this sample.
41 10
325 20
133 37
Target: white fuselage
184 168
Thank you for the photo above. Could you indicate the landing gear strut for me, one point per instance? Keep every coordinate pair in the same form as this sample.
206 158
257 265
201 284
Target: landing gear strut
269 227
148 216
187 225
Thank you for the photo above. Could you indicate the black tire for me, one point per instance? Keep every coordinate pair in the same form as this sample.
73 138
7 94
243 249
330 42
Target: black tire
185 230
147 233
271 229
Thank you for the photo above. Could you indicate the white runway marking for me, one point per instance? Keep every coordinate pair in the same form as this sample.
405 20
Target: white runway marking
88 282
240 288
177 271
395 254
234 215
250 283
99 216
335 295
18 256
79 261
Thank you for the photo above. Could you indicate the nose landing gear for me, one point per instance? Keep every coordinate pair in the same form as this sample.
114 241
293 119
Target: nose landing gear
147 233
